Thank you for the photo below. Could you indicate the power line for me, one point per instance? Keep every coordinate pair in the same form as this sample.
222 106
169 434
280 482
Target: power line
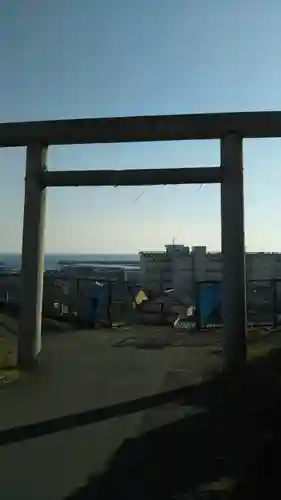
138 197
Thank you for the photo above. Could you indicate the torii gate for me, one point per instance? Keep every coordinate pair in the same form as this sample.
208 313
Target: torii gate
230 128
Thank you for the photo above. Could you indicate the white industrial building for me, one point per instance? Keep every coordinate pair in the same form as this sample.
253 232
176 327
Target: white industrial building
180 267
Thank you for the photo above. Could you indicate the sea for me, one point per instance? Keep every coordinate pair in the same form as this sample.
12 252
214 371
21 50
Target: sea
13 260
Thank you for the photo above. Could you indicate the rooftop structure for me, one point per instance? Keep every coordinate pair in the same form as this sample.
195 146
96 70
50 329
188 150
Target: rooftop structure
181 267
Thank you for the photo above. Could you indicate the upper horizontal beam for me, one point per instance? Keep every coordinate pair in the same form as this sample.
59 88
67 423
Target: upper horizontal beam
147 177
142 128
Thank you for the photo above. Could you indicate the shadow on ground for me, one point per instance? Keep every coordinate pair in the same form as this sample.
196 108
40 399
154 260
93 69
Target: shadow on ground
231 450
158 342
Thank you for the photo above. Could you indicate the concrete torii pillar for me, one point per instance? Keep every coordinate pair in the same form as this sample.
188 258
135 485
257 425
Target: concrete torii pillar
32 271
233 252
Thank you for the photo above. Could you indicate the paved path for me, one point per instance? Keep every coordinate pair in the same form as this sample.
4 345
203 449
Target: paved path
80 371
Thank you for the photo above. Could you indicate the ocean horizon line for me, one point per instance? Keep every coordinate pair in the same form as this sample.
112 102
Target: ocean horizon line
77 253
52 260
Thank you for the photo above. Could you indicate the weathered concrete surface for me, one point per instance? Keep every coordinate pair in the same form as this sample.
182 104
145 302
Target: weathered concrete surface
85 370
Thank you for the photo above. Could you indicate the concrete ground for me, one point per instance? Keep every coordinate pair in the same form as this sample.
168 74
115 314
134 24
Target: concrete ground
83 370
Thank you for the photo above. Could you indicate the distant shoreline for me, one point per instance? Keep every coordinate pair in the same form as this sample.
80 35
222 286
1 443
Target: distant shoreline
53 261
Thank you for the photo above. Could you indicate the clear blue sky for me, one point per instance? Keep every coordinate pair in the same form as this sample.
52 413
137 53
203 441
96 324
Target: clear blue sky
90 58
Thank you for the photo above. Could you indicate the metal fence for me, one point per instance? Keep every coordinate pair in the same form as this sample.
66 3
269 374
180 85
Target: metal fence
81 299
72 299
263 303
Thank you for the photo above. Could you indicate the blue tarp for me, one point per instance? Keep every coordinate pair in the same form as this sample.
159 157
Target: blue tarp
209 303
97 302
